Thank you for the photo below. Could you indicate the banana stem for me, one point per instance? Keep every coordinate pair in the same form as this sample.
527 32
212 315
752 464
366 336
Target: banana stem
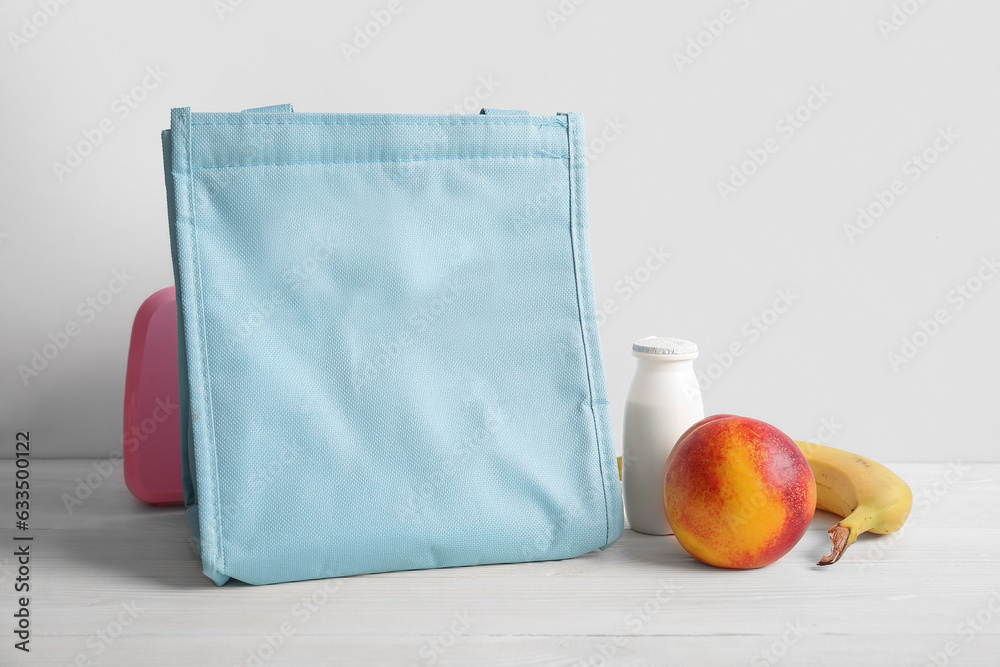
839 534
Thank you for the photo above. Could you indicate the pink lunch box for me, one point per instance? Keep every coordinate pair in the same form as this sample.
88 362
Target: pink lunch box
151 440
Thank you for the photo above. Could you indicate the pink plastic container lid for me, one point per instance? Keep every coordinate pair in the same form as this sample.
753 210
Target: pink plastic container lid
152 435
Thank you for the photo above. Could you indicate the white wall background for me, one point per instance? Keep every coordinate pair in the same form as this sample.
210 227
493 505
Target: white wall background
825 358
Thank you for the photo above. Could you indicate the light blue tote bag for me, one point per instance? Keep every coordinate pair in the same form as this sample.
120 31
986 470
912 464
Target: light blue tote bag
388 342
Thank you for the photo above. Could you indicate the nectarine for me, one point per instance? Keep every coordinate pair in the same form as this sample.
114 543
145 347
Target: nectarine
738 492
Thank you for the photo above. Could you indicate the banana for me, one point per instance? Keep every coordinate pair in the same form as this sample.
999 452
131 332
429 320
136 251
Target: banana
869 496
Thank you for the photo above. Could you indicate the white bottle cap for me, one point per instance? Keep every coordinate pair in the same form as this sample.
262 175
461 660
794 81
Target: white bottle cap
674 348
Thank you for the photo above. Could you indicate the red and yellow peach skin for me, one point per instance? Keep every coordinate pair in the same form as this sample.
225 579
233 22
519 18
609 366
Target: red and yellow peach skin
738 492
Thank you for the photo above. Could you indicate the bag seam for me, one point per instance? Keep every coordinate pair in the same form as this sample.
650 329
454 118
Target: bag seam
417 159
203 348
571 129
297 119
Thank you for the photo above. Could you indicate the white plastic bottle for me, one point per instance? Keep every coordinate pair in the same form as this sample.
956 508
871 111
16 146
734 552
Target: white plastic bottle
663 401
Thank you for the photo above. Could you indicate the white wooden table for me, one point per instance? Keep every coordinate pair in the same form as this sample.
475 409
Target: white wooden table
117 582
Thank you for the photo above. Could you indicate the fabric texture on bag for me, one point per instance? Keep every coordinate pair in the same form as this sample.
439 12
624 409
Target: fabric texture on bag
388 342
